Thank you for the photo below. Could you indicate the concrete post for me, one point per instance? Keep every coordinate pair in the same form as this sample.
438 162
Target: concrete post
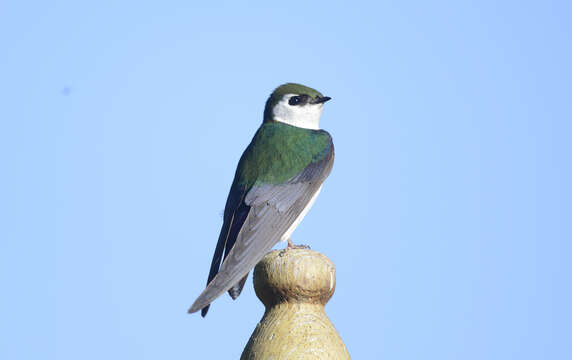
294 285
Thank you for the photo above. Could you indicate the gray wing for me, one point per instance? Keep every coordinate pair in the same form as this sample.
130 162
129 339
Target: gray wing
273 209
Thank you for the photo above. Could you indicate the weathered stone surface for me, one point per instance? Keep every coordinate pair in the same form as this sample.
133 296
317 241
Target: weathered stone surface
294 285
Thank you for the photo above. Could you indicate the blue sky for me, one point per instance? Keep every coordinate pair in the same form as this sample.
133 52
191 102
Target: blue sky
447 212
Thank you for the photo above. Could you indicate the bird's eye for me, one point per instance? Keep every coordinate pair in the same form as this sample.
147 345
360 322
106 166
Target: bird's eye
294 100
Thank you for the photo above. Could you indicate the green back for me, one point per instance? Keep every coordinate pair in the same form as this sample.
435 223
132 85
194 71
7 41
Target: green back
280 151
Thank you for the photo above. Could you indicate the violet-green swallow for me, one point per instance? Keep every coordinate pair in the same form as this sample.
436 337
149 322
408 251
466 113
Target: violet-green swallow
277 180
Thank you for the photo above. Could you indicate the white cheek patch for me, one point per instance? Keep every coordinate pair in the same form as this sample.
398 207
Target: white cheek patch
305 116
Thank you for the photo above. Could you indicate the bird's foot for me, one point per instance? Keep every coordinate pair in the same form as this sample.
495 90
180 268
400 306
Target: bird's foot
292 246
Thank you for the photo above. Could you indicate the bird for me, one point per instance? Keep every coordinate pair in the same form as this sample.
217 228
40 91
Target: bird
277 180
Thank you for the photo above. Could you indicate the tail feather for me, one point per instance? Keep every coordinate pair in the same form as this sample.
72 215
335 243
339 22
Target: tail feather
229 232
235 291
215 264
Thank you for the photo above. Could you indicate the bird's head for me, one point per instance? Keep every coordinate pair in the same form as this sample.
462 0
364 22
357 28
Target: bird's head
296 105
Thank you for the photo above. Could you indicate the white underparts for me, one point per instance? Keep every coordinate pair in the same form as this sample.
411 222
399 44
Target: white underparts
298 220
305 116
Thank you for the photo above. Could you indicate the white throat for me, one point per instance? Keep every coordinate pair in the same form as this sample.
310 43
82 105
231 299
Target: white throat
305 116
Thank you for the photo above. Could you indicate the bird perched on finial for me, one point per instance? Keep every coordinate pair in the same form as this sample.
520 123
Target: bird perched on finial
277 180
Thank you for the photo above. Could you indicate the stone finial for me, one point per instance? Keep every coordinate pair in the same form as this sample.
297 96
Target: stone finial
294 285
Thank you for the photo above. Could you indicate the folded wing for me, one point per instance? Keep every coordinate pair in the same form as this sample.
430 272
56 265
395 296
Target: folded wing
272 209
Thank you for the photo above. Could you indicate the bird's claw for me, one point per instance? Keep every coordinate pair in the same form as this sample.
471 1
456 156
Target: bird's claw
292 246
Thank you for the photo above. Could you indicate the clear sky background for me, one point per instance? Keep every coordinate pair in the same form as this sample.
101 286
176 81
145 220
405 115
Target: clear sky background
448 211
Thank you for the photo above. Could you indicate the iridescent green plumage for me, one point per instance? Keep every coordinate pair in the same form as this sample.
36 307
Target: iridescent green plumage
279 151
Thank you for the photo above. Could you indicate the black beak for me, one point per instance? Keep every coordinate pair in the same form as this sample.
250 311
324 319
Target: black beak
320 100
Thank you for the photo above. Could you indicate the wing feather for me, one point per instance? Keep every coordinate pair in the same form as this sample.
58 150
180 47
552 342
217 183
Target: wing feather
272 209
